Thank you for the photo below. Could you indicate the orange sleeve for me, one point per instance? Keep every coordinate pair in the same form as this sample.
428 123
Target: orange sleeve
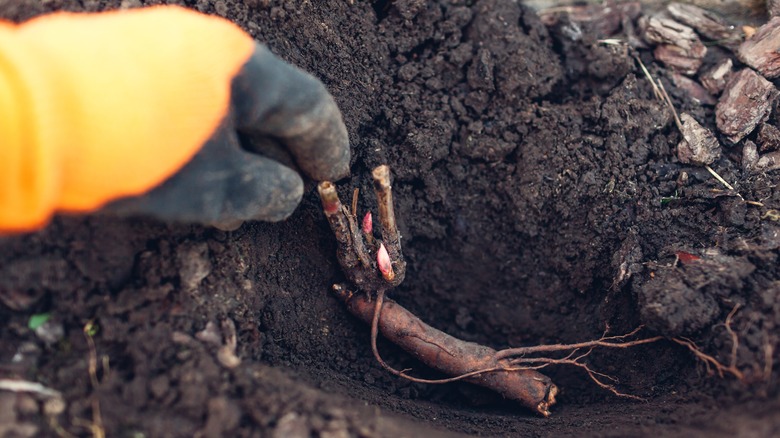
94 107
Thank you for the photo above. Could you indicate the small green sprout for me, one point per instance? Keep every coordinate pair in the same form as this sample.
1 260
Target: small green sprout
38 320
91 328
667 199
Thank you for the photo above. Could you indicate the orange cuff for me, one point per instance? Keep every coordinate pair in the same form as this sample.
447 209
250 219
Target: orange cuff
94 107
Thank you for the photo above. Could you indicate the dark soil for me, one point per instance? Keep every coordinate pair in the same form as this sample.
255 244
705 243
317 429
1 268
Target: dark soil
540 200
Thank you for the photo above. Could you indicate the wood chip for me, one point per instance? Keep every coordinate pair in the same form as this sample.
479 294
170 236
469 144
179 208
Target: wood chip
749 155
662 30
768 162
768 137
714 79
746 102
699 146
678 45
603 19
761 50
693 89
708 24
773 7
679 59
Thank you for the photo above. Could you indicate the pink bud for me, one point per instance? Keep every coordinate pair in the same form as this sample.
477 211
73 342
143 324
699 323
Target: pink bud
368 224
383 261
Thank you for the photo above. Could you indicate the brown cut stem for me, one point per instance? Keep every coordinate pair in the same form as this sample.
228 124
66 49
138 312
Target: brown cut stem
384 197
656 90
331 206
352 250
390 235
353 254
355 194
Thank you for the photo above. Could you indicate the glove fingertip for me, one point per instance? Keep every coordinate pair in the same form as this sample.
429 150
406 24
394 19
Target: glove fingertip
283 192
323 150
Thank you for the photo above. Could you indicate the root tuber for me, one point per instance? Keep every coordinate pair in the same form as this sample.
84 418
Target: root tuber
376 265
453 356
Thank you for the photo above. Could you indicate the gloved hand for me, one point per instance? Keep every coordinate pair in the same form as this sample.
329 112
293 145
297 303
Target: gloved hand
140 112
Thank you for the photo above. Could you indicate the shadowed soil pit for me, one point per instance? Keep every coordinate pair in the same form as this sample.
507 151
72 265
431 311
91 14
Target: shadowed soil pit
540 200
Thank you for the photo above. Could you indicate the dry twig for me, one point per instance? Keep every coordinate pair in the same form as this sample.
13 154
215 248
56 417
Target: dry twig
14 385
96 425
769 351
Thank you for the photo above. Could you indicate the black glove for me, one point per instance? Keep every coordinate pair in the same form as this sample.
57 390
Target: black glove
227 182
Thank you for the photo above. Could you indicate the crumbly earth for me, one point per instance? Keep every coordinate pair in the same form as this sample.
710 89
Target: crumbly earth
540 201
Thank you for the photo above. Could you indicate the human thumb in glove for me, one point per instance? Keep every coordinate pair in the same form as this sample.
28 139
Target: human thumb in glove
139 112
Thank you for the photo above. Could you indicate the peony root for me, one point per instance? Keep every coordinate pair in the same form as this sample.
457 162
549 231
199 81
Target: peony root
471 362
376 265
